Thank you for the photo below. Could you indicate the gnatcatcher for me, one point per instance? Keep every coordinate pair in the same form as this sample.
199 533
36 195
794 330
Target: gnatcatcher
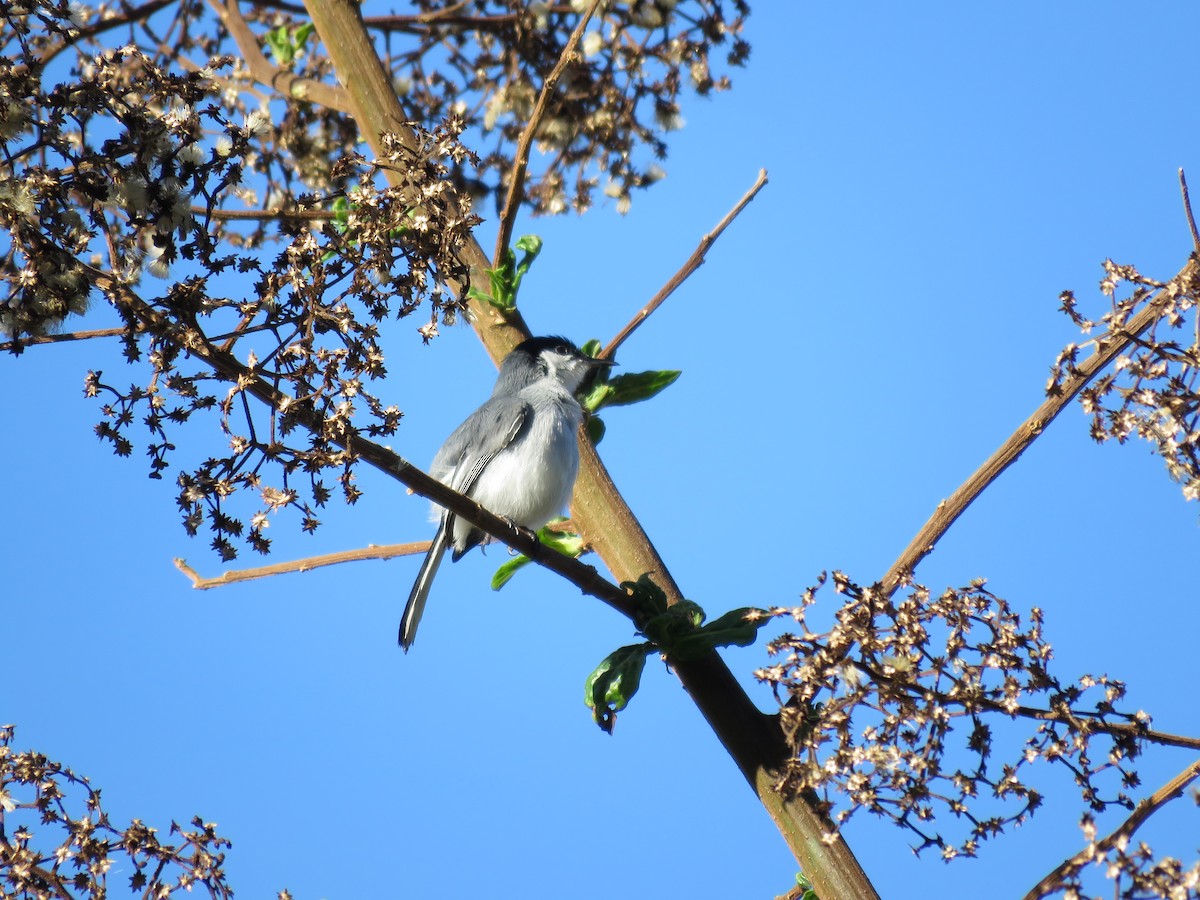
516 456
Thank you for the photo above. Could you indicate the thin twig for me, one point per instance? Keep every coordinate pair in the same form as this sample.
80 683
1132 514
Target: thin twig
516 185
268 215
1094 852
1187 208
60 338
371 551
1092 725
1108 348
443 18
385 551
695 261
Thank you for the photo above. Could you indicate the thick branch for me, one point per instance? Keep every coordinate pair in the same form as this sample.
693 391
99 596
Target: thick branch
752 738
1110 347
378 111
290 86
1098 850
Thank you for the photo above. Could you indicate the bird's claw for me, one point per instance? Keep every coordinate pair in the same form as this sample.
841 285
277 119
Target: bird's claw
521 529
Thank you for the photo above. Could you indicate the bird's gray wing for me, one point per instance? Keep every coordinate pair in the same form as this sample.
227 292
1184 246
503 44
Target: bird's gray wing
502 419
481 436
458 464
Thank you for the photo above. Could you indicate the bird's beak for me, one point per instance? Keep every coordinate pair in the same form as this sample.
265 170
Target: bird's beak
600 363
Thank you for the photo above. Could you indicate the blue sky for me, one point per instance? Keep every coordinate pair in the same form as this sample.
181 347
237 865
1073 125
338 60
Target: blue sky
867 332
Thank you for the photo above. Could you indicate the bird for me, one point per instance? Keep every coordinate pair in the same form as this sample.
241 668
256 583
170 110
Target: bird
516 456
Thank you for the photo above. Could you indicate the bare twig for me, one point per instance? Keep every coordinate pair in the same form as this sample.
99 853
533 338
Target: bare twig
385 551
695 261
516 184
267 215
1109 348
443 18
60 338
1098 850
371 551
1187 208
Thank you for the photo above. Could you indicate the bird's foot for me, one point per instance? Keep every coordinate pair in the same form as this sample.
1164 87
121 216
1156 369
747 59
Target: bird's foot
521 529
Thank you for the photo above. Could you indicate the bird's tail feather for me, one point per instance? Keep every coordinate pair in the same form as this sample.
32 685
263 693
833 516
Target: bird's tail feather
415 607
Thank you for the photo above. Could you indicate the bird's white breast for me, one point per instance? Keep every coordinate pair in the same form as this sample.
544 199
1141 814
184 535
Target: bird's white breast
530 481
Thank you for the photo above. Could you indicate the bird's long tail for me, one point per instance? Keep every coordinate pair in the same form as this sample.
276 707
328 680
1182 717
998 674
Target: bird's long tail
420 590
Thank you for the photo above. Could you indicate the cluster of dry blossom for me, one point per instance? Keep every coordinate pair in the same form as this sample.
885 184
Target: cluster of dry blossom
57 841
252 255
912 709
934 711
1151 390
238 236
875 705
484 60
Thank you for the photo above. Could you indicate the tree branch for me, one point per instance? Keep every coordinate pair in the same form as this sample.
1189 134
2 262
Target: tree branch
420 24
264 215
1187 208
585 577
516 184
233 576
1099 849
753 739
1109 348
695 261
293 87
1084 720
371 551
19 343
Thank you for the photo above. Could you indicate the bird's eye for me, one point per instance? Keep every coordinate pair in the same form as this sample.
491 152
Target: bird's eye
562 348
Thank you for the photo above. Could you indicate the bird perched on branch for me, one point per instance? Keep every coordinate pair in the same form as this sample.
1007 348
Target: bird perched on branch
516 456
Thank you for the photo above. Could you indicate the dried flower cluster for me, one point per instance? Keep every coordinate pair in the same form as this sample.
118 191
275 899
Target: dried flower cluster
1151 390
57 841
105 185
878 706
485 59
247 247
1136 872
